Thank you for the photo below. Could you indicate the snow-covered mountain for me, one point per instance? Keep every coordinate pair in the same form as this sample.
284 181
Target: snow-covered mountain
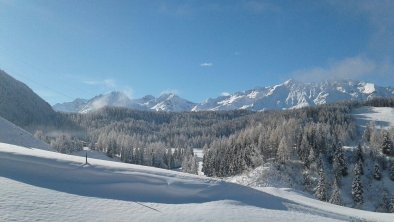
288 95
70 107
172 102
292 94
166 102
113 99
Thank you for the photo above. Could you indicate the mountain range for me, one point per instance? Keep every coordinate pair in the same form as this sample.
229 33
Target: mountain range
166 102
288 95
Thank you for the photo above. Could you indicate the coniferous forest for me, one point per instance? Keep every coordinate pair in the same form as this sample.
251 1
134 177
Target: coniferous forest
310 140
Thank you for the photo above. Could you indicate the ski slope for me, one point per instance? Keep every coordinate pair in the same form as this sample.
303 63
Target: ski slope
40 185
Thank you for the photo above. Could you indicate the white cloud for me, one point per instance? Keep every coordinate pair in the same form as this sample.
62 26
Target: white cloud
109 83
206 64
357 67
128 91
225 94
169 91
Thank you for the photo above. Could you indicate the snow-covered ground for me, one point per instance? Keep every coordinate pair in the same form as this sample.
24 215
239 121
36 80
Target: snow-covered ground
39 185
199 154
383 116
12 134
94 154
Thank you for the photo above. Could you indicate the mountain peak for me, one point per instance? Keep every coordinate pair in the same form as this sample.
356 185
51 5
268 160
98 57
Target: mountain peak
289 82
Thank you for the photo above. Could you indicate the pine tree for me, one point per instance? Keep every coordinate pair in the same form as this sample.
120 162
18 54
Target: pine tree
189 164
321 190
340 166
392 171
359 153
306 180
336 194
359 167
385 205
391 205
377 175
357 187
283 153
387 145
368 132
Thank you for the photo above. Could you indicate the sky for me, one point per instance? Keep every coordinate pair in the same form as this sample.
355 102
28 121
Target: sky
67 49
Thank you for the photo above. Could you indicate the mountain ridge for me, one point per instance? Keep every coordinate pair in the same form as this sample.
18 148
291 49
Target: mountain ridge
290 94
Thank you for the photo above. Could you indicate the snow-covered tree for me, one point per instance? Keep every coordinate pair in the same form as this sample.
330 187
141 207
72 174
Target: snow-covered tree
359 167
340 166
321 190
376 141
377 175
387 145
385 204
392 170
359 153
284 151
189 164
336 194
368 132
307 182
391 205
357 188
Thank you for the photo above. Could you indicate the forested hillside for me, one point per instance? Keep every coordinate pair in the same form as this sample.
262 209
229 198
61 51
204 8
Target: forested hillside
160 139
308 142
20 105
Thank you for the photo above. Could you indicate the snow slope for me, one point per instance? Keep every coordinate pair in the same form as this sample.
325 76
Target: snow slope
94 154
382 116
48 186
12 134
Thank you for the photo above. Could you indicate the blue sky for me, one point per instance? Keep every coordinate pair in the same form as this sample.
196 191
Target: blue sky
68 49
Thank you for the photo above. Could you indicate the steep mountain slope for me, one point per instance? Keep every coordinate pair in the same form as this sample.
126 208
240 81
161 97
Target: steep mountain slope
173 103
20 105
288 95
59 187
292 94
